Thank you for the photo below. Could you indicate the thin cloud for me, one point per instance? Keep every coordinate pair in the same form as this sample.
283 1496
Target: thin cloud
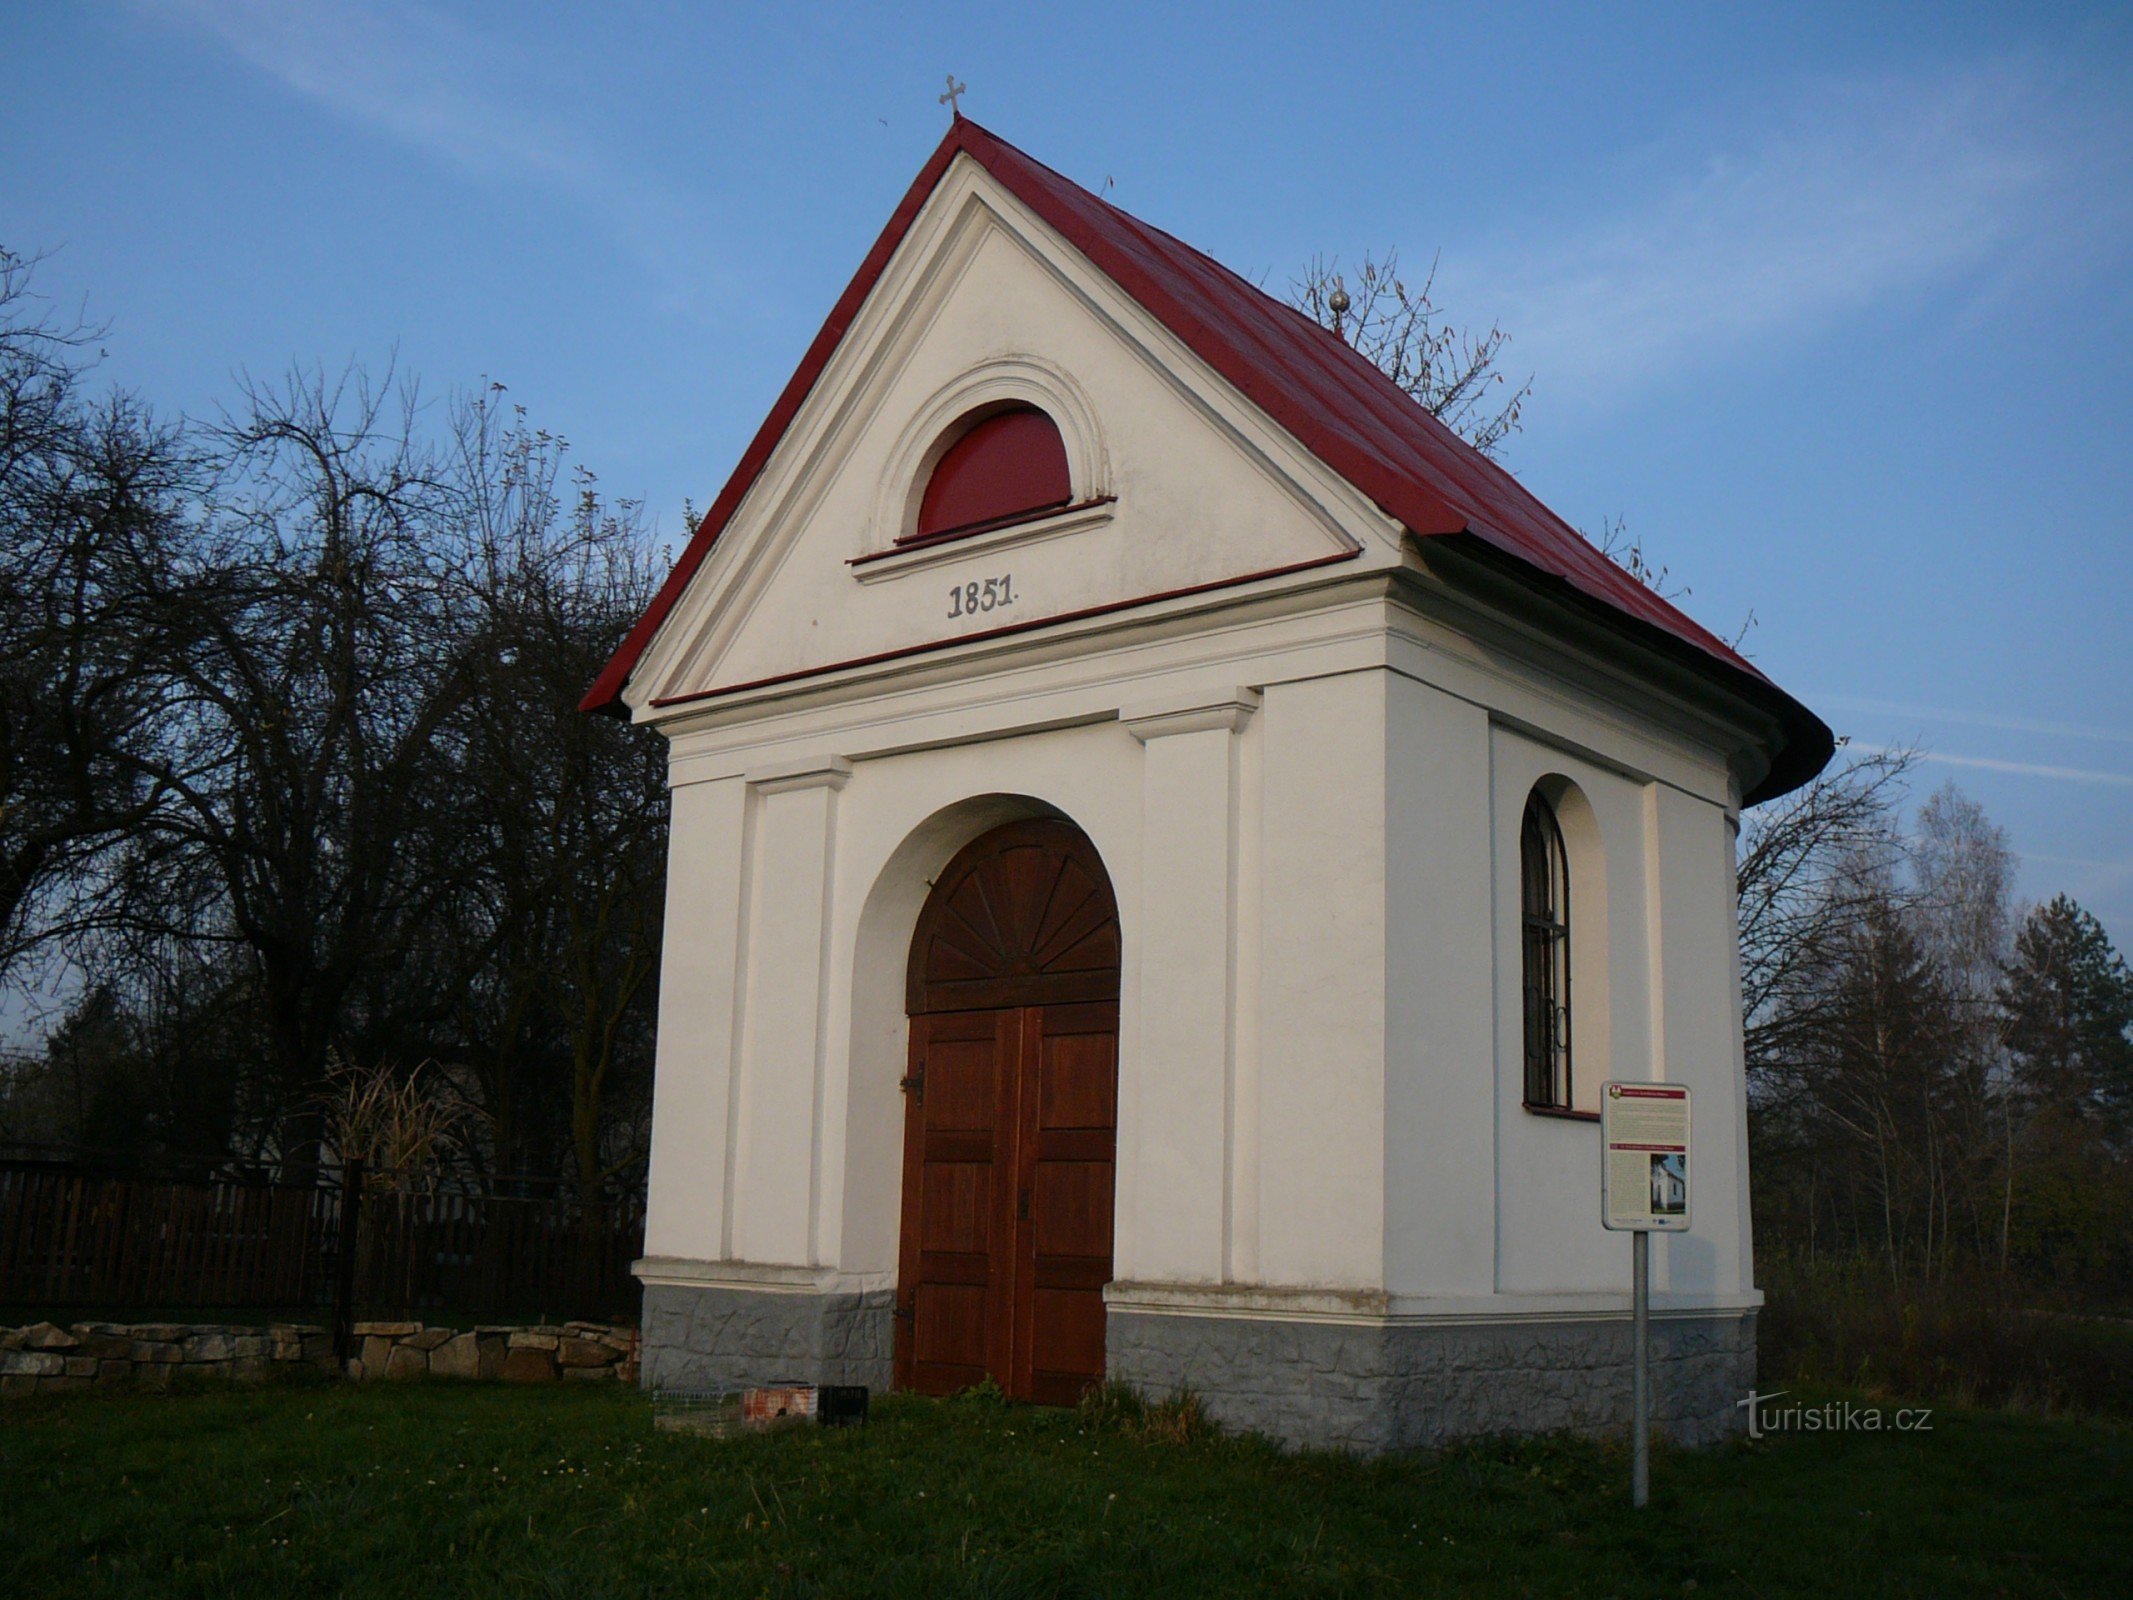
2115 867
2024 769
403 70
1972 719
1852 194
424 79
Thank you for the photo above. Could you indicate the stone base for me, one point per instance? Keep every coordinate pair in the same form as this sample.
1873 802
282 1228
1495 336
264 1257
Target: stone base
1360 1383
713 1337
1376 1385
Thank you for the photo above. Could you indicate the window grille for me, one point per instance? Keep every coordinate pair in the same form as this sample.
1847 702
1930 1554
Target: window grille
1544 904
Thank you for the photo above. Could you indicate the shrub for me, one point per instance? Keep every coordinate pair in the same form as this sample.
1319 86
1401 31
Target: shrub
1970 1342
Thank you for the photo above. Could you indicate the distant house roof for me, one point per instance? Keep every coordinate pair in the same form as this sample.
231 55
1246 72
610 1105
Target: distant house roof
1336 403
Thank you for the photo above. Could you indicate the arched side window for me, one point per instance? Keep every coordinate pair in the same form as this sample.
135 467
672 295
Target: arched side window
1544 929
1012 465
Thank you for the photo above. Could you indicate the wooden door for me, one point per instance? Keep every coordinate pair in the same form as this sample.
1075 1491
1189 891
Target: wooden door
1069 1140
1011 1120
955 1310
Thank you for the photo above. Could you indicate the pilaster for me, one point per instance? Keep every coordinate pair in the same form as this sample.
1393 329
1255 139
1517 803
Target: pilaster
776 1118
1183 1110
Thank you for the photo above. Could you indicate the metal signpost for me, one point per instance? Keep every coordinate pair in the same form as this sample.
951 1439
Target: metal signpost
1644 1189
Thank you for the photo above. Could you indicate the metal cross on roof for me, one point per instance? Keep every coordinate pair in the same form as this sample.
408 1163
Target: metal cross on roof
950 99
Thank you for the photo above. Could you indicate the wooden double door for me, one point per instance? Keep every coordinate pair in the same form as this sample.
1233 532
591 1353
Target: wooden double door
1010 1130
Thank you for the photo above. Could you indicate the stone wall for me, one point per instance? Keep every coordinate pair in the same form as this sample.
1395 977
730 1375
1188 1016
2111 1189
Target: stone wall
45 1358
579 1351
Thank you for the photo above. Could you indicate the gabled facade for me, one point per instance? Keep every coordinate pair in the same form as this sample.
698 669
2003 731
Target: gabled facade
1108 929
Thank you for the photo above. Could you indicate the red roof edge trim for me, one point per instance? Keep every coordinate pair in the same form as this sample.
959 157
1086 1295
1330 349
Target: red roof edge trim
606 692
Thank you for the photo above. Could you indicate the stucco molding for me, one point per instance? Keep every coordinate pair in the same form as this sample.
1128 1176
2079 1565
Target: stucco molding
1190 712
767 1277
920 558
1376 1308
807 772
1016 379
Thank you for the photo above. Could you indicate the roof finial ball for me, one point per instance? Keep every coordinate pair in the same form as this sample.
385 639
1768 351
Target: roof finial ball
1337 303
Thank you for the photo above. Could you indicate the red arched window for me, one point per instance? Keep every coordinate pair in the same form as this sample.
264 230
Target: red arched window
1011 465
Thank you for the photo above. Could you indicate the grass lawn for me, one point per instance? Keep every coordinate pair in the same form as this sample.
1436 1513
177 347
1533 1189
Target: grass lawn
437 1489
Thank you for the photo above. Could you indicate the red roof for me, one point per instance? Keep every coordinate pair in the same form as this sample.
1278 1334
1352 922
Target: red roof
1332 400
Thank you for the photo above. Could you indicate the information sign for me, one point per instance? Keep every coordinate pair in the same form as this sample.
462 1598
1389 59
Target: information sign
1644 1157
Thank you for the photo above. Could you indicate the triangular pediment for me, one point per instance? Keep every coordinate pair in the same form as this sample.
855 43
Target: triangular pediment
996 260
1181 485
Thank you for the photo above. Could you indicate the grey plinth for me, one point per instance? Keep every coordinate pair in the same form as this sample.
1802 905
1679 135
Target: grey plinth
1363 1384
716 1337
1372 1386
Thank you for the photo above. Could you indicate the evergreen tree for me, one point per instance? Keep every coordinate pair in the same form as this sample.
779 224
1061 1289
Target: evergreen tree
2067 1005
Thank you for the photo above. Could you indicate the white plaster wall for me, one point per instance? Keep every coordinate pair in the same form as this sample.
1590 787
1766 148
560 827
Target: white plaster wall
1700 1029
1548 1170
1186 1086
1202 801
1664 1014
707 852
811 1160
1321 1015
1440 1102
775 1150
1320 1068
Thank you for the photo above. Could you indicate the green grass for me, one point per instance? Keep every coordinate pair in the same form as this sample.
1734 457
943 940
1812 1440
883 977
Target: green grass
434 1490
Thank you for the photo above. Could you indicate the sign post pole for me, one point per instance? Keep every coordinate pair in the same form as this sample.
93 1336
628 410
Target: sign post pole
1644 1189
1640 1459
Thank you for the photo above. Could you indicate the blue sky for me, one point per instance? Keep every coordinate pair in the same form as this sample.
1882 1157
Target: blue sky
1833 304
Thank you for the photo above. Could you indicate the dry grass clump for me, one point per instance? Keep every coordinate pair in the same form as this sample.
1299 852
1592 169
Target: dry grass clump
1120 1408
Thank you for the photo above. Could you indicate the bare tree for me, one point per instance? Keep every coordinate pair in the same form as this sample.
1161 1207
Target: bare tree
89 495
1807 864
315 645
290 761
1452 373
1963 868
570 853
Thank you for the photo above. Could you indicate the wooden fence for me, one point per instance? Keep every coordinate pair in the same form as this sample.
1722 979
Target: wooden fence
78 1239
498 1257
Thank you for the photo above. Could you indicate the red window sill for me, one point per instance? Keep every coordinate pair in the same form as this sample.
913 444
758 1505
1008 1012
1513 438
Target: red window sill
1564 1113
925 541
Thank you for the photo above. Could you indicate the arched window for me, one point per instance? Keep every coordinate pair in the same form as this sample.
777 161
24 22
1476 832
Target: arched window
1012 465
1544 908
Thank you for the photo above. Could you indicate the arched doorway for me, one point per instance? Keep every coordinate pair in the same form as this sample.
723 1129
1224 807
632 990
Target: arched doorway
1010 1121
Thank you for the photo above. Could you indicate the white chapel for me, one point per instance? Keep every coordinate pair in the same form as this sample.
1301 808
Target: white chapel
1167 843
